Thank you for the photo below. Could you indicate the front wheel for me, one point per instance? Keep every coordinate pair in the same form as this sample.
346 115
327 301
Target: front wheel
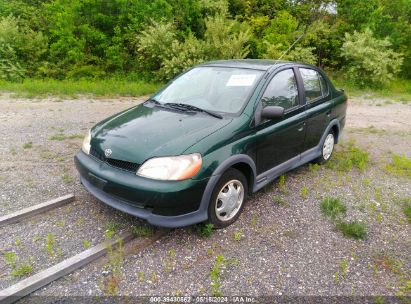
327 148
228 199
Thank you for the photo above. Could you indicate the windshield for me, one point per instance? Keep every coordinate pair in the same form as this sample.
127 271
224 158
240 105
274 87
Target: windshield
217 89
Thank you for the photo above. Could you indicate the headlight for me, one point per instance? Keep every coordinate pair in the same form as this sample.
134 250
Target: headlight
171 168
86 143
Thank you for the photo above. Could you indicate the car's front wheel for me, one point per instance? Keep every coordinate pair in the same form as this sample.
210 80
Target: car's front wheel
327 148
228 198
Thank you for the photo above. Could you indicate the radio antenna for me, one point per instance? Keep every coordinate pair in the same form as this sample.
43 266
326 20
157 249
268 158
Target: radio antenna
298 39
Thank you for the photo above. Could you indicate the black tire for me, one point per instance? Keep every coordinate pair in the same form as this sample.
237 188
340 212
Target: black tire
234 176
325 157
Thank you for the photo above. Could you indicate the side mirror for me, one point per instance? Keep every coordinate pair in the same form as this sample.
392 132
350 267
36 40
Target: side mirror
272 112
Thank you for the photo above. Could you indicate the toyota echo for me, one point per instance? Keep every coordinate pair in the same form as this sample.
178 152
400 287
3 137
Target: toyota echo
222 130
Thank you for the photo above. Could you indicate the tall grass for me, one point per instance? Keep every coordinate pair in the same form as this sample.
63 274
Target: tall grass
73 88
398 89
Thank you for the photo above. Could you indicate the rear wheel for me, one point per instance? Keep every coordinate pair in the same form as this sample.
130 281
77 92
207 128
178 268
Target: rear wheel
327 148
228 198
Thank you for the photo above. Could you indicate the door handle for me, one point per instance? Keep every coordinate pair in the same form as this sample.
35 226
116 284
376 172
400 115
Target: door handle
301 128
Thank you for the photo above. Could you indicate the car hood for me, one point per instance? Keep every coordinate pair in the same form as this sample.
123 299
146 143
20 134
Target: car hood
144 131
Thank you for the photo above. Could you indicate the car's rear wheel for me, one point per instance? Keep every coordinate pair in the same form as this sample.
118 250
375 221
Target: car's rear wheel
327 148
228 198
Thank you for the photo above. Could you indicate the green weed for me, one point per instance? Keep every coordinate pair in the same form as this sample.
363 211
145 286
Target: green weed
67 179
22 270
406 207
215 276
280 201
204 230
111 284
141 276
142 231
304 192
352 229
10 258
333 207
111 229
281 182
58 137
86 244
75 136
313 167
238 235
18 270
349 157
343 267
254 219
28 145
50 245
399 166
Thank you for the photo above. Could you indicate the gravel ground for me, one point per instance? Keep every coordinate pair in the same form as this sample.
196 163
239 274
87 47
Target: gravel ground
281 244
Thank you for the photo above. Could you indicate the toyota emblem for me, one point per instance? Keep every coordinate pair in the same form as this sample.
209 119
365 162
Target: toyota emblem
107 152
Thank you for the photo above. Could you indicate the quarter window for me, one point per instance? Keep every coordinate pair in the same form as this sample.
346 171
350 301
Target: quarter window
282 91
314 85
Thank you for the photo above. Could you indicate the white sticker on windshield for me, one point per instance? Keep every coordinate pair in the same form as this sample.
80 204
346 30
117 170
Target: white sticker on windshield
244 80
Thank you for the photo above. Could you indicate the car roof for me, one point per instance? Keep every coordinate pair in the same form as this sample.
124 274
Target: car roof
256 64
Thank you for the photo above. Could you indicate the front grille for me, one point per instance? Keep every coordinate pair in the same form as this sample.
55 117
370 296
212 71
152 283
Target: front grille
121 164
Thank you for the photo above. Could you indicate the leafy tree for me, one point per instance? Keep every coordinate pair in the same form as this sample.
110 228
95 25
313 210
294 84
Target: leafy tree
19 58
370 61
160 51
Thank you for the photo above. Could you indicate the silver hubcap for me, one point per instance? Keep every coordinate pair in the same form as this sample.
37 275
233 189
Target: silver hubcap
229 200
328 146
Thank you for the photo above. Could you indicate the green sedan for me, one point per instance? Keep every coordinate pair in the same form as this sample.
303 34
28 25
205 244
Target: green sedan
196 149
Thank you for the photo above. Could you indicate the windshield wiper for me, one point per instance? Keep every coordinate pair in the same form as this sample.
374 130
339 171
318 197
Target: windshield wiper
155 101
183 106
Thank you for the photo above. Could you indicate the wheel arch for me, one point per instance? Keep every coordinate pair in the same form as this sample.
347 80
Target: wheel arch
242 162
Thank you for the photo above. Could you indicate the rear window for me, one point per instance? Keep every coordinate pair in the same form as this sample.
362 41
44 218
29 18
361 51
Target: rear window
315 85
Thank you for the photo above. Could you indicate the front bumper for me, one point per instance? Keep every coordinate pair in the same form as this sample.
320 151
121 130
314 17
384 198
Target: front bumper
162 203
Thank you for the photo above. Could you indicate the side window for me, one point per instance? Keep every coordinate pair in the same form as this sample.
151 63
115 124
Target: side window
281 91
324 86
314 84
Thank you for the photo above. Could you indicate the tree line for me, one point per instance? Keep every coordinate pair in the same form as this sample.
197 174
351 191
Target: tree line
368 40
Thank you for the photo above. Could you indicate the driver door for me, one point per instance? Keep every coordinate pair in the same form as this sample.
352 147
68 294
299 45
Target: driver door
281 139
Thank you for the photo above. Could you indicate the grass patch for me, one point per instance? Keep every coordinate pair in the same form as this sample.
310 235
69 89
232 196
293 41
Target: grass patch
215 276
333 207
142 231
349 157
86 244
238 235
304 192
22 270
399 89
50 245
59 137
18 269
28 145
111 229
406 207
31 88
67 179
10 258
399 166
352 229
204 230
75 136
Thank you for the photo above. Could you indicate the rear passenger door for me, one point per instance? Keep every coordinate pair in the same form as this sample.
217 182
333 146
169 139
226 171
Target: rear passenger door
318 105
